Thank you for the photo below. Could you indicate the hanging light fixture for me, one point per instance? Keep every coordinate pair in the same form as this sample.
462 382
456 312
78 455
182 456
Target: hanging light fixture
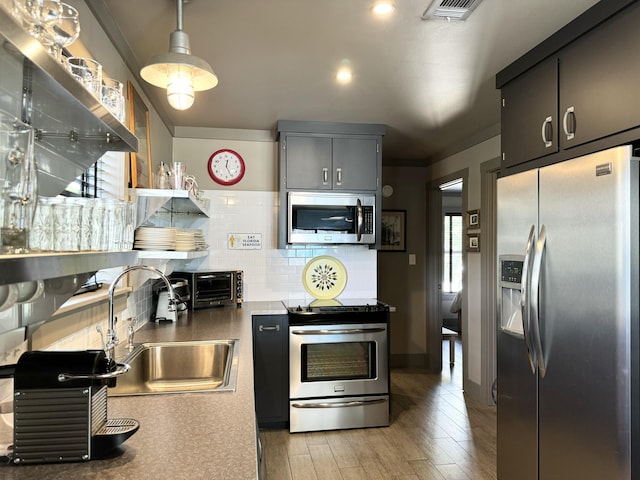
181 73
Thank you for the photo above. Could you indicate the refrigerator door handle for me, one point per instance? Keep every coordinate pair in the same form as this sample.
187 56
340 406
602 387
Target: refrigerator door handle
524 298
535 297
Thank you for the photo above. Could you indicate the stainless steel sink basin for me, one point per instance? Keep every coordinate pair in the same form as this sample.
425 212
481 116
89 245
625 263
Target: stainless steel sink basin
180 367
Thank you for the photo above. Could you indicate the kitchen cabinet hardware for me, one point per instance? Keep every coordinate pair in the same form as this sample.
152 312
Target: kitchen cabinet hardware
273 328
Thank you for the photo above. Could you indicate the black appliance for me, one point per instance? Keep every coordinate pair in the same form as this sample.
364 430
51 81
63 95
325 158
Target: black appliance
213 288
60 407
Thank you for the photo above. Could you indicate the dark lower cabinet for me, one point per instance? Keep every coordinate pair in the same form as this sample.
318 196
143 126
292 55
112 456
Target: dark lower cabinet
271 369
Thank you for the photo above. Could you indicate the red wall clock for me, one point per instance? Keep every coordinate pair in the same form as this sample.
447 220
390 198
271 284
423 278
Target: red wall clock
226 167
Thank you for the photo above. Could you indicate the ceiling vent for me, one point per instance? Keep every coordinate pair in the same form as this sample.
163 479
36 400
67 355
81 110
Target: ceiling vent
450 9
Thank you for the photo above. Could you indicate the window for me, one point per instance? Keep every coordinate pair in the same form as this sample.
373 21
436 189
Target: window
103 179
452 253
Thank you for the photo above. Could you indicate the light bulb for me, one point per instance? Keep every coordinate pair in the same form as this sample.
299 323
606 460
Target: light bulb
180 93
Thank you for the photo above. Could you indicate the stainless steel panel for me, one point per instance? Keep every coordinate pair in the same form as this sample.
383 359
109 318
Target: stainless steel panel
373 332
585 315
21 268
517 385
338 413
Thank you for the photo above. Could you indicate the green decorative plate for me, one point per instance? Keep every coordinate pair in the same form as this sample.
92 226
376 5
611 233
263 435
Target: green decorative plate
324 277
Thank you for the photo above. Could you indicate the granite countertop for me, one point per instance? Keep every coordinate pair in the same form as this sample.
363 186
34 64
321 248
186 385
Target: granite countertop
196 435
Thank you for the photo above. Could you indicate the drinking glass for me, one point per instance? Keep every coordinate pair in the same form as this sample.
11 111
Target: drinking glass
18 183
41 234
178 171
66 226
88 72
97 224
113 97
63 32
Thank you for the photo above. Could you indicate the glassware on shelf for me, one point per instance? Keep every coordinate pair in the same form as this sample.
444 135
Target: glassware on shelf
37 16
113 97
41 234
88 72
18 183
64 32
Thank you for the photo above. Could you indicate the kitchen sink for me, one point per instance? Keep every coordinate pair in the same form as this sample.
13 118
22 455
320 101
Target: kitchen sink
180 367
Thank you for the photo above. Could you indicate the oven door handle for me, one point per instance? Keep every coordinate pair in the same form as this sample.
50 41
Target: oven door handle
345 331
354 403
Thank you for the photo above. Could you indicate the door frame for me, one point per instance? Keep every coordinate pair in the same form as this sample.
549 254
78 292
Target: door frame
489 173
434 272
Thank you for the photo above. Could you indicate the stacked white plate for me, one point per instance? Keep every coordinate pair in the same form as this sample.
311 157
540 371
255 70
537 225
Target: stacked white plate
200 242
155 238
190 239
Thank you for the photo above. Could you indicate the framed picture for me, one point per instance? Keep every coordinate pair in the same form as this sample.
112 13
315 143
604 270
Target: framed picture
473 242
394 227
473 219
140 162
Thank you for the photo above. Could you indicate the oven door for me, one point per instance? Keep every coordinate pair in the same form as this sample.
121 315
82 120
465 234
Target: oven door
338 360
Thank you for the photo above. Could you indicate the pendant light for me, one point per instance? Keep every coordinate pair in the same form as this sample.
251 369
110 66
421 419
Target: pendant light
181 73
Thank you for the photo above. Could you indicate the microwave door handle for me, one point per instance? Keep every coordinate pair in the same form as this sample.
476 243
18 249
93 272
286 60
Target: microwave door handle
360 219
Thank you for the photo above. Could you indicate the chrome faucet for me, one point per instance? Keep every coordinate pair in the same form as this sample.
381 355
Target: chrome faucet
112 337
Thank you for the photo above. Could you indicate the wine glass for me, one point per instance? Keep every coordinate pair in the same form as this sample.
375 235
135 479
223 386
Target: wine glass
63 32
37 15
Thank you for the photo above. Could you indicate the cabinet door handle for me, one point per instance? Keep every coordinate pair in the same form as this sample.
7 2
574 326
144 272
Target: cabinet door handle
325 176
565 123
547 124
274 328
338 176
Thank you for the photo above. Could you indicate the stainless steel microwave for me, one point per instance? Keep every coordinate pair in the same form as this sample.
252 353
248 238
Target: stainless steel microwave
331 218
214 289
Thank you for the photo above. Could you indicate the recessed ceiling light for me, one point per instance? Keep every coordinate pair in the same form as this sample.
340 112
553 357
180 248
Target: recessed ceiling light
383 8
344 75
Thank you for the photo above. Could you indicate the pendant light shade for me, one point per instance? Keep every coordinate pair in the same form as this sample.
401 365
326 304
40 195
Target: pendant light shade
181 73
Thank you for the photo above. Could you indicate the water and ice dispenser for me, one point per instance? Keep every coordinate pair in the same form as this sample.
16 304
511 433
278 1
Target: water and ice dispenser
510 291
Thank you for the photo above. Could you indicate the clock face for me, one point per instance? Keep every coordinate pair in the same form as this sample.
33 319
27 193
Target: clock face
226 167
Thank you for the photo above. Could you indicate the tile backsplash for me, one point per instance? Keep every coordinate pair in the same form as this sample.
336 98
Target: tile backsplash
271 273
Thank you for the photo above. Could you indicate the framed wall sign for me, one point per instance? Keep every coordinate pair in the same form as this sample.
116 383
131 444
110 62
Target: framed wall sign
140 162
394 227
473 219
473 242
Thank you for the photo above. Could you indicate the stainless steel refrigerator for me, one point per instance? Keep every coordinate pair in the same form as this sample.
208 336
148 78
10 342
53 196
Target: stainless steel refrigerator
568 331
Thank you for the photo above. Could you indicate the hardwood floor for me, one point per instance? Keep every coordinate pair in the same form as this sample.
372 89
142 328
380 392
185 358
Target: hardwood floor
435 434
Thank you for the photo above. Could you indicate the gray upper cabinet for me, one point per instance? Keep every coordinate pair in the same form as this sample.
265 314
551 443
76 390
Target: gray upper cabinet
308 161
530 115
330 162
599 94
355 163
330 156
576 98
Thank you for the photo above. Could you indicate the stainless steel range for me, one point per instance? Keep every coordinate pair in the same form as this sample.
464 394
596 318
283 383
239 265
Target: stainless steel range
338 365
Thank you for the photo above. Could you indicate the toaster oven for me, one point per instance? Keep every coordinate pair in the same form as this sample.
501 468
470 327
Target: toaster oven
213 288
